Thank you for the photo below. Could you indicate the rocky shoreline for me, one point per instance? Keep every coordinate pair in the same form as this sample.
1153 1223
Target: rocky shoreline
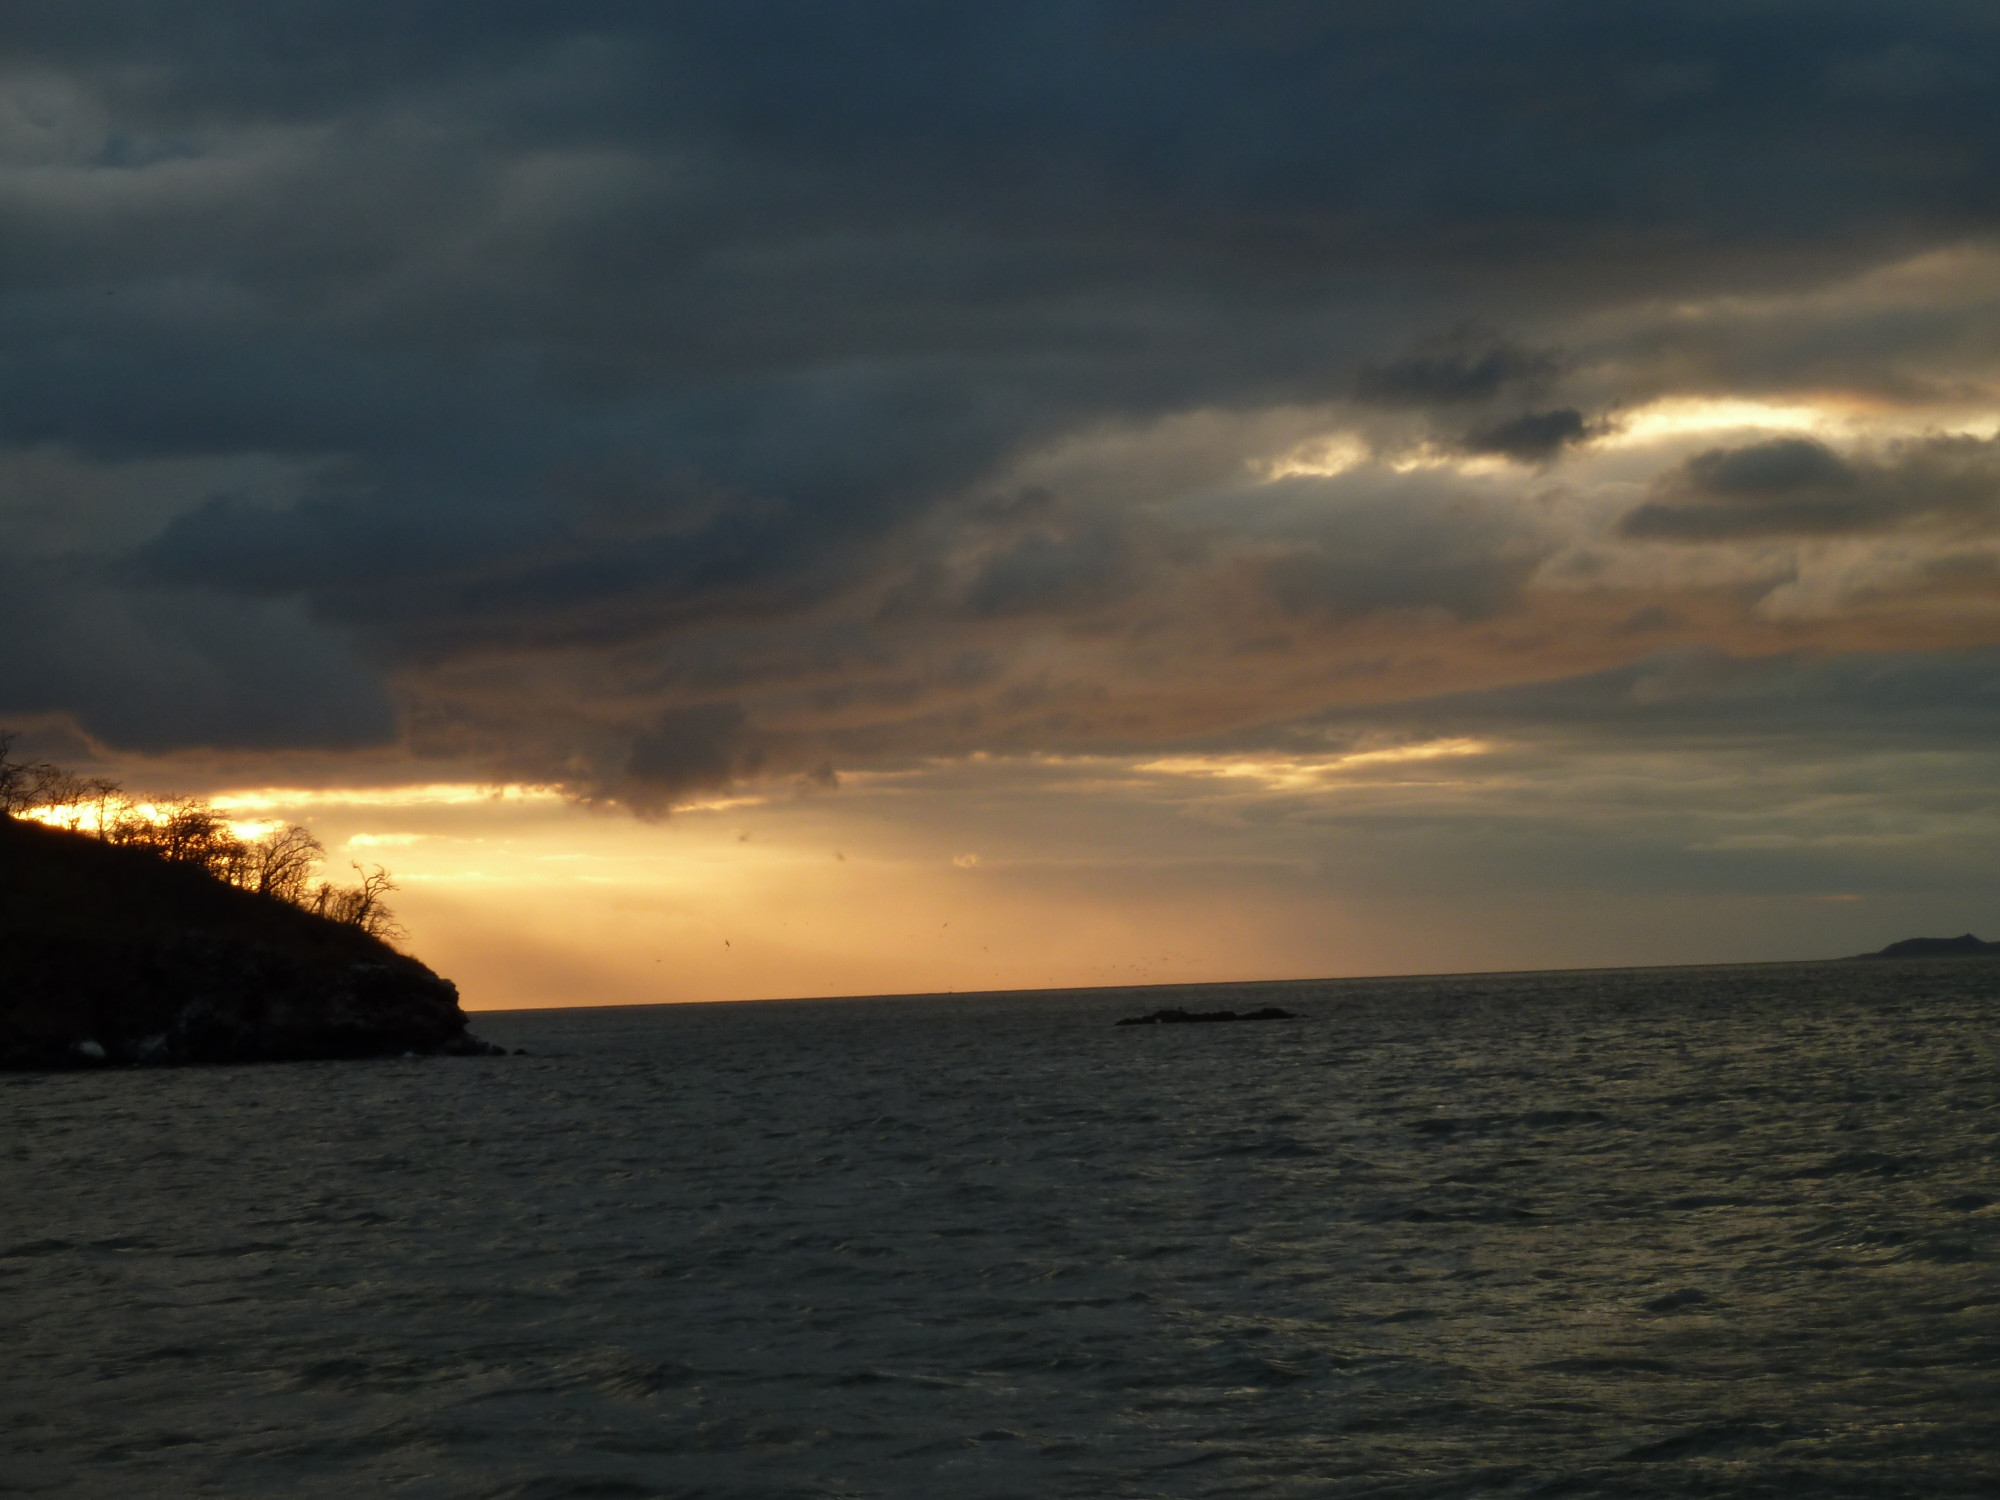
199 999
111 957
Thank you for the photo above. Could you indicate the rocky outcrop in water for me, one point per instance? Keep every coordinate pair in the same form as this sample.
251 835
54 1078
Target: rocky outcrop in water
114 956
1177 1016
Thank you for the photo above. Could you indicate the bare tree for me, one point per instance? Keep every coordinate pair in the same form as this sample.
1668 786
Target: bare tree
21 781
188 830
360 905
73 801
281 864
64 798
12 773
105 795
128 825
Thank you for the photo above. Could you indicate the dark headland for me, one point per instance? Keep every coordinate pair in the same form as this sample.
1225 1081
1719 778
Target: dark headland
114 955
1963 946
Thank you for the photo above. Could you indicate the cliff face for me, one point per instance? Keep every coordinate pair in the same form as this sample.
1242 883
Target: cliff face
111 955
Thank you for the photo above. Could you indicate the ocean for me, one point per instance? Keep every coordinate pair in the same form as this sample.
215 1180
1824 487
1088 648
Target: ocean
1669 1232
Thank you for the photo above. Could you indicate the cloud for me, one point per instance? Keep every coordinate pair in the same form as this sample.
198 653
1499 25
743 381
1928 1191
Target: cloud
1687 698
1533 437
576 379
1396 573
691 749
1462 370
1801 487
1042 571
1372 542
158 670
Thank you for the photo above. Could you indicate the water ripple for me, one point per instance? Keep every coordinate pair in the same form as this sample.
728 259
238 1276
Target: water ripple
1656 1233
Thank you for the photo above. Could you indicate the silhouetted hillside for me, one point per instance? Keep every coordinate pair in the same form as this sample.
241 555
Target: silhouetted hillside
1963 946
114 954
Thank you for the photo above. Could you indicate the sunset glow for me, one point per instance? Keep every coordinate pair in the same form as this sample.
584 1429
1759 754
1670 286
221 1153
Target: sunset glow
1130 508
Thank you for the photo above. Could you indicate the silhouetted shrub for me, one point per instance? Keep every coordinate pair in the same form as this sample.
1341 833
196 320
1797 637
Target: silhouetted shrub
188 830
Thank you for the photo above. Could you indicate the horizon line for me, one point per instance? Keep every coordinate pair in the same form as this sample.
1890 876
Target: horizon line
1196 984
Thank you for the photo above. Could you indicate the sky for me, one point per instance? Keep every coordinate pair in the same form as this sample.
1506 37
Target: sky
763 499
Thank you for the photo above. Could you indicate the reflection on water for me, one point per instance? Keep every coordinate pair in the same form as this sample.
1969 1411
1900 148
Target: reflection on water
1669 1232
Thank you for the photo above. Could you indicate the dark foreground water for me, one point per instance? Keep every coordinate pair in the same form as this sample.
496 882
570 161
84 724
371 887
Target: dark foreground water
1669 1232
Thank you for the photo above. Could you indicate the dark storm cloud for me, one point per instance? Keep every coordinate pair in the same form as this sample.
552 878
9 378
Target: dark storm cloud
692 749
1373 541
1534 437
1799 487
1041 571
1700 698
1424 554
1462 370
613 322
1349 587
158 670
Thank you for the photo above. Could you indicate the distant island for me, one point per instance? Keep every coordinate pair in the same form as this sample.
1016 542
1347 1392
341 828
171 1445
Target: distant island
165 939
1963 946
